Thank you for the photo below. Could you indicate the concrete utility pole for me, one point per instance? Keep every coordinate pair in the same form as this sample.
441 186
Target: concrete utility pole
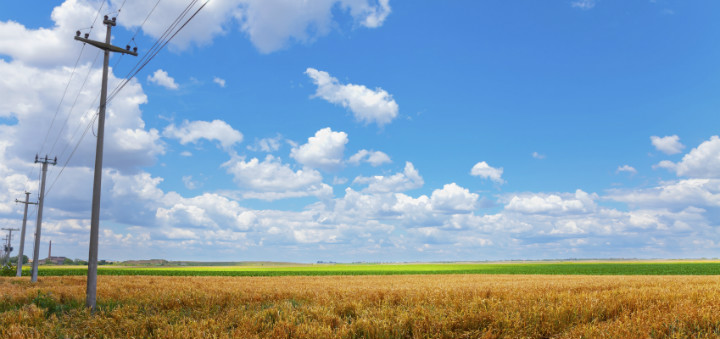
6 251
22 233
8 247
95 214
41 199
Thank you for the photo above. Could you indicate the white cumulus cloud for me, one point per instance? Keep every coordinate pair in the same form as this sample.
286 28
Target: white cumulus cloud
668 144
324 150
192 132
129 143
542 203
49 47
702 162
374 158
162 78
407 180
271 24
674 195
270 179
453 199
485 171
367 105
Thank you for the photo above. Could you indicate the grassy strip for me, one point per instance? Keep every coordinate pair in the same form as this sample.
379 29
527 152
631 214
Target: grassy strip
680 268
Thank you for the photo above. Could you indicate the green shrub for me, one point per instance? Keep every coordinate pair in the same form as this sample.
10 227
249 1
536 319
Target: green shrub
8 270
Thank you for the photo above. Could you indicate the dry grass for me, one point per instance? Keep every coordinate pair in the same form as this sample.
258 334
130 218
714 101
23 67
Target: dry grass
436 306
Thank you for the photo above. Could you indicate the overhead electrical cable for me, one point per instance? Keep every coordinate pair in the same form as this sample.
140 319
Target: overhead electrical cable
120 57
144 21
97 55
157 47
89 125
159 44
52 122
90 110
82 49
72 73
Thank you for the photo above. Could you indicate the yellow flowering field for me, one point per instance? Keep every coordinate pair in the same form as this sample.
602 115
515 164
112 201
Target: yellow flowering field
394 306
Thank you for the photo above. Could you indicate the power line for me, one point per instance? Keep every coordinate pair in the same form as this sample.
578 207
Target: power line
47 134
120 9
136 30
116 63
153 49
90 124
52 122
75 102
77 128
97 15
144 21
61 99
159 44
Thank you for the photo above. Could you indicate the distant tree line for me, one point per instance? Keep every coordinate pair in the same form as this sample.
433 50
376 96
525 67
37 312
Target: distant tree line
13 260
67 261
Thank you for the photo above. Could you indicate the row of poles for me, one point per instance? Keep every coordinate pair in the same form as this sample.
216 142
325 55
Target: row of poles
41 198
90 300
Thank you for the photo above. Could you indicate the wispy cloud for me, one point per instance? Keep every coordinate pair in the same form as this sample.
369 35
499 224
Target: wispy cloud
374 158
583 4
219 81
537 155
626 168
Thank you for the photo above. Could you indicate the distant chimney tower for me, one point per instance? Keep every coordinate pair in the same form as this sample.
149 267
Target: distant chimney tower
50 250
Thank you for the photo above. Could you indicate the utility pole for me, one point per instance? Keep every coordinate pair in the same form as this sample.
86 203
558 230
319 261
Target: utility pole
22 233
8 247
6 251
95 211
41 199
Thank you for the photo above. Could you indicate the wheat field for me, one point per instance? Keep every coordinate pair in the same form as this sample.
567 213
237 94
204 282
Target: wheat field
407 306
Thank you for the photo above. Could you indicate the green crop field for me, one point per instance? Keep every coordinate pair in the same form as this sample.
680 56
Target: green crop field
561 268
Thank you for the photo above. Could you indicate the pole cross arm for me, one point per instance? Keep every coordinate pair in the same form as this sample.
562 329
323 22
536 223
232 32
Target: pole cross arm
104 46
22 202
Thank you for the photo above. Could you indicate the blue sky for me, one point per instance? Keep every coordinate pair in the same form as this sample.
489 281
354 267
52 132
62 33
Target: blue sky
372 130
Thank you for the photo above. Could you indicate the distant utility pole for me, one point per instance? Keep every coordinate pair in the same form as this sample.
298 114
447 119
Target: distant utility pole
8 247
95 214
41 199
6 250
22 233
